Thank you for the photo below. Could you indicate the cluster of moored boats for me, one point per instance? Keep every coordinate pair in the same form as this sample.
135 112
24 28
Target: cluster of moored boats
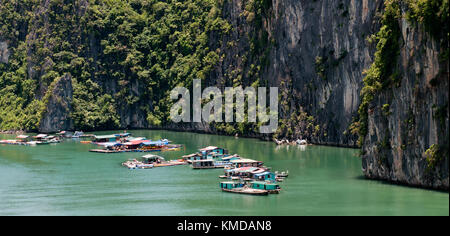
114 143
123 142
39 139
300 142
244 176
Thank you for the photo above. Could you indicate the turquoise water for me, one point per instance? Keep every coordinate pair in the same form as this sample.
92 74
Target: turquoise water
66 179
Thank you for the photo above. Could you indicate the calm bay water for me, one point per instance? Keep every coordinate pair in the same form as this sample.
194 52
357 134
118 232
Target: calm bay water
66 179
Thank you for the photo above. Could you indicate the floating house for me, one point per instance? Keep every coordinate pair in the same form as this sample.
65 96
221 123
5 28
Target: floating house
231 185
246 163
192 157
208 164
265 176
213 149
105 139
211 152
250 173
115 145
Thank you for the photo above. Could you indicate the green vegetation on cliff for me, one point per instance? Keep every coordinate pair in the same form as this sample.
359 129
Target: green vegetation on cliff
120 55
433 14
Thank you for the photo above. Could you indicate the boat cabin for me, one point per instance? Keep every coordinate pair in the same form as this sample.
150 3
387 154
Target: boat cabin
246 163
264 186
192 157
265 176
203 164
210 152
105 138
231 185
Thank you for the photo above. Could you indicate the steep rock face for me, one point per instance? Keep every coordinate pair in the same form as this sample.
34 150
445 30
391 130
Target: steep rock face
405 121
4 52
57 117
315 53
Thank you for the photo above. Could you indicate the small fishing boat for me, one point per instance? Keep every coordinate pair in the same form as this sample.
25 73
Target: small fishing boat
78 134
301 142
85 142
135 164
283 174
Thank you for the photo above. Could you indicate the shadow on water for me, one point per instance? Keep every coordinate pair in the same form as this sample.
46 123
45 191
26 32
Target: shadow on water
398 184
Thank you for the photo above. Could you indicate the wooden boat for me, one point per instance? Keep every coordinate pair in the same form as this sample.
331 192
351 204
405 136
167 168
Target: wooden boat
240 188
282 174
249 191
85 142
135 164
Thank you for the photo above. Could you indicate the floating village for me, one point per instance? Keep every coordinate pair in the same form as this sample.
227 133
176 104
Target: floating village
241 175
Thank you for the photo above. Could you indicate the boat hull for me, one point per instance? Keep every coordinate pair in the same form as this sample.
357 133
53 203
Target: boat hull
256 192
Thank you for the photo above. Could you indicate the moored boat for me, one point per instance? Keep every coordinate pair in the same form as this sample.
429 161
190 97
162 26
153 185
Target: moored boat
135 164
208 164
267 186
159 161
283 174
240 188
